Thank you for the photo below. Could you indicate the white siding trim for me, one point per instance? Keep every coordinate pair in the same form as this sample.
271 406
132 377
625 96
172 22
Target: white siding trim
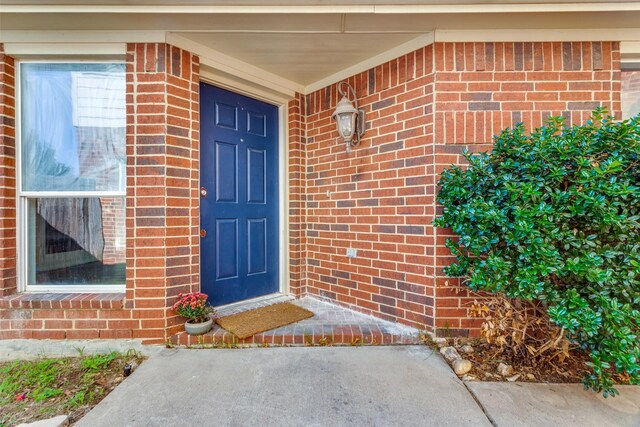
235 67
244 87
68 50
283 199
189 9
333 9
630 55
97 37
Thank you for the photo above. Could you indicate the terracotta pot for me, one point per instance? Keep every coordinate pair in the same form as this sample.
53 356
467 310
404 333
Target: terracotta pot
198 328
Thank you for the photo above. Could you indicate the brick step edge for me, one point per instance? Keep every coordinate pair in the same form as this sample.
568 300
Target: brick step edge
227 339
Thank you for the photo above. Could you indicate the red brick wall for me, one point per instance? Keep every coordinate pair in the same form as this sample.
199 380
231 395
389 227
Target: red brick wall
183 180
113 230
162 183
297 195
7 175
422 110
162 217
378 198
482 88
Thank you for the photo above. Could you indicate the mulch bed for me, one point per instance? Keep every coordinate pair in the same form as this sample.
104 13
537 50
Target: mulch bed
486 358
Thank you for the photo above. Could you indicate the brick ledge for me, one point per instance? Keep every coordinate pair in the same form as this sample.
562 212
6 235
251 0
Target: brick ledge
326 335
50 300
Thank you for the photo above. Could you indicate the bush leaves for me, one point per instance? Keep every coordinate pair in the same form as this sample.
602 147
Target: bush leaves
554 217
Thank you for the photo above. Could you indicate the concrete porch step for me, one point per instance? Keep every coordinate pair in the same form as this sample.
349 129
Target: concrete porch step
330 325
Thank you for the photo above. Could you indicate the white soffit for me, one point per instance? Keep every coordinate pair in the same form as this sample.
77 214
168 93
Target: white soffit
304 58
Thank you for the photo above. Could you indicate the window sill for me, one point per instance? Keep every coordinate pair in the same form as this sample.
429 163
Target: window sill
64 301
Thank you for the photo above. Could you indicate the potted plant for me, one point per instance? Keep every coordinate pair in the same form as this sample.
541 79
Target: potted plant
195 308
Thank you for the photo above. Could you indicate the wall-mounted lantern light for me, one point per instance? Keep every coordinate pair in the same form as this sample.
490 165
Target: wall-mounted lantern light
349 119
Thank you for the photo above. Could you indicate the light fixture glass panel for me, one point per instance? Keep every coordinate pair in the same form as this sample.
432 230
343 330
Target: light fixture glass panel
347 125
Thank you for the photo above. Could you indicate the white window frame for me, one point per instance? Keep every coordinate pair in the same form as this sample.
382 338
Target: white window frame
22 199
629 67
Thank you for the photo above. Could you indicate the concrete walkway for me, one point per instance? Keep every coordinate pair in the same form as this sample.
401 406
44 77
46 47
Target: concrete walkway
294 386
340 386
528 404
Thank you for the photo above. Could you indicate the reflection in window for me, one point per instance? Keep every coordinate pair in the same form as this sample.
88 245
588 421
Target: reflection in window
73 127
630 96
77 241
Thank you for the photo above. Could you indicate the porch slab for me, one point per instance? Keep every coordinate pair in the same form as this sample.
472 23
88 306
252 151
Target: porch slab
330 325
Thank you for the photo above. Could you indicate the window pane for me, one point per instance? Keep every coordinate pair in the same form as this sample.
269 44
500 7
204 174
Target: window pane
76 241
630 93
73 127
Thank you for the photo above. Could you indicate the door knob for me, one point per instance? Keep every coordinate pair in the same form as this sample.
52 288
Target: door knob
203 192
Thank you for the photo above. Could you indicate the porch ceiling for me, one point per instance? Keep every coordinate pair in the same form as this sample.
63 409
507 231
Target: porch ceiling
301 58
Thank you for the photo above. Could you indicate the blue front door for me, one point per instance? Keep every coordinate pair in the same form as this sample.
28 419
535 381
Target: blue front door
239 196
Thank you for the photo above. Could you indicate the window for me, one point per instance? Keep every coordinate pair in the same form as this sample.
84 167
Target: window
72 176
630 93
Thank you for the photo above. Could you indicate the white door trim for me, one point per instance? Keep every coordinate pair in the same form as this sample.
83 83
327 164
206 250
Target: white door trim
283 177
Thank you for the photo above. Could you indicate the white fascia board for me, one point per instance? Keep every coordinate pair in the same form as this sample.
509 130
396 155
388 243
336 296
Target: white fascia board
187 9
332 9
30 50
372 62
508 8
533 35
232 66
82 36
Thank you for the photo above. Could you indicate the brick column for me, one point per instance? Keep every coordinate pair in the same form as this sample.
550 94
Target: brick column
162 183
297 195
7 175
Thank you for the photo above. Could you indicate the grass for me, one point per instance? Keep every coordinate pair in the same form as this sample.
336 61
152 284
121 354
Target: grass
43 388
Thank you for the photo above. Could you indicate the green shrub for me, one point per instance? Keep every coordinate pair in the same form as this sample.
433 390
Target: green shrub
554 217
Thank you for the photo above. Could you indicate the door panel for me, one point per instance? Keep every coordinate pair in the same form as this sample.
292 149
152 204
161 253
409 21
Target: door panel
257 242
226 248
256 175
226 172
239 169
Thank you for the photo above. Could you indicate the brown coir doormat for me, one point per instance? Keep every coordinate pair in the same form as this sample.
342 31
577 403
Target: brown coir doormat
249 323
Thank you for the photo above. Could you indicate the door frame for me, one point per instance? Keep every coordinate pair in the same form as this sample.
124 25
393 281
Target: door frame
209 77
